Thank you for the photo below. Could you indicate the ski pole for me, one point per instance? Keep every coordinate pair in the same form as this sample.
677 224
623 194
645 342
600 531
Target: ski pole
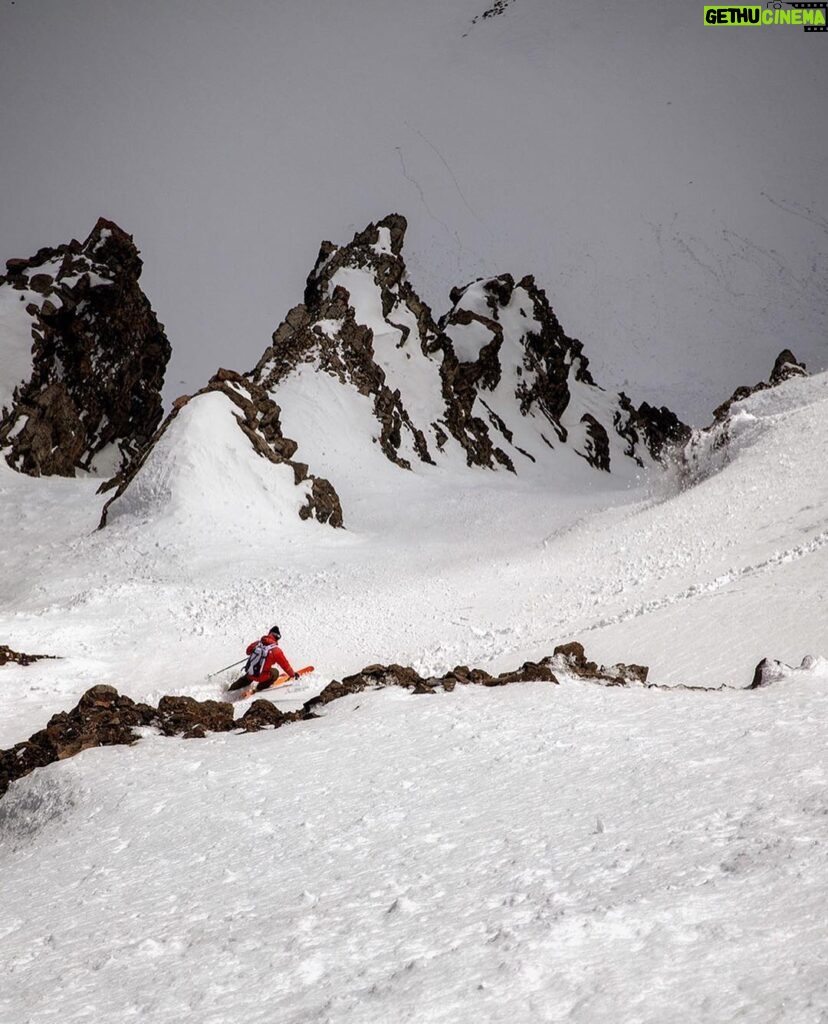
240 662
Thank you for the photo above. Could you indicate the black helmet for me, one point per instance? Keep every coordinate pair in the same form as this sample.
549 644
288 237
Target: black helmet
275 632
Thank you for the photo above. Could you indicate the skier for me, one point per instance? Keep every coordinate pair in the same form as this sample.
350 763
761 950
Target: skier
263 657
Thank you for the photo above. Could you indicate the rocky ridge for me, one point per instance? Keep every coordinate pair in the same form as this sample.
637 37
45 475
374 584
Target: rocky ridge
496 375
7 655
331 331
91 355
707 450
785 367
258 417
104 717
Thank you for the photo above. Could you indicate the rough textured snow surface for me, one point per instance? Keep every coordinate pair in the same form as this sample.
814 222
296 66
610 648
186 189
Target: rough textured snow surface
540 853
531 853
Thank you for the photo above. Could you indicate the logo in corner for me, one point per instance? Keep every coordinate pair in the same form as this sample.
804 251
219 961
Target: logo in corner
813 17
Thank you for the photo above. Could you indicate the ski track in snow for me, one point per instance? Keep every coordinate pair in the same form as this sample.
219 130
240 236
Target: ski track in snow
698 590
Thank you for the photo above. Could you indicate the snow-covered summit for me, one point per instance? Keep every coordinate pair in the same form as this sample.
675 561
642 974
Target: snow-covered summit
82 357
519 380
365 381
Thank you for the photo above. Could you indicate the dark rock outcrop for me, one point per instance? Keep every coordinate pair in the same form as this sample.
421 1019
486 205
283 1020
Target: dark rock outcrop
326 331
103 717
661 431
375 677
262 714
190 718
498 359
258 417
571 658
98 356
8 655
785 367
528 354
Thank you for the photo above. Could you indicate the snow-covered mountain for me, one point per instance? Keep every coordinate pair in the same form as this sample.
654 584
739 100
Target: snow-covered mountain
562 757
496 375
362 374
82 357
228 430
508 820
661 178
533 851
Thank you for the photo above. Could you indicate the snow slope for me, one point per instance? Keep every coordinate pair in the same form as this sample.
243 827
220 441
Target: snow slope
433 569
540 853
204 460
528 853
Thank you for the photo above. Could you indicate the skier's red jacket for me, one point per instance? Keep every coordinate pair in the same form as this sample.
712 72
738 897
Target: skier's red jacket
274 656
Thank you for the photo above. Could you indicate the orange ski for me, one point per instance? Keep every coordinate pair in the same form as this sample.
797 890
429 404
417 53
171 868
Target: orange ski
281 680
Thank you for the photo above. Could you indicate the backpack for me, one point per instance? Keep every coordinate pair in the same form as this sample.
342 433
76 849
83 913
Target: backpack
256 662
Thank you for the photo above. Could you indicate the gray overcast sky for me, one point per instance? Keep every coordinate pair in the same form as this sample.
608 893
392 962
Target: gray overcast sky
664 181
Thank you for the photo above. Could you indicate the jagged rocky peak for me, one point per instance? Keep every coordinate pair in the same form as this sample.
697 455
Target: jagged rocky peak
508 355
229 432
362 323
82 356
785 367
495 383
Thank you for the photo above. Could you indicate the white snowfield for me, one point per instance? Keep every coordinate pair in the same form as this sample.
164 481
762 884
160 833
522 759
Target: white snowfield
528 853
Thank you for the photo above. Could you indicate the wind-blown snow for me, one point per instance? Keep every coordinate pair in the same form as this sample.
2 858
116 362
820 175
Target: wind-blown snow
204 460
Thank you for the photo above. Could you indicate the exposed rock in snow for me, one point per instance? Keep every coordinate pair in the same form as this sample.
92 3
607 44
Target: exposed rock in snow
354 295
8 655
659 428
771 671
570 658
187 451
375 677
104 717
707 450
495 376
82 357
785 367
